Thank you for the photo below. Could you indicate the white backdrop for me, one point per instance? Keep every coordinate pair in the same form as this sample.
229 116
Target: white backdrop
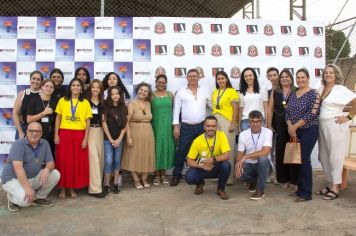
138 48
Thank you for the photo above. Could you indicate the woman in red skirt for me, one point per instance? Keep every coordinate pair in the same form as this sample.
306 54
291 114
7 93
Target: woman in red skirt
71 136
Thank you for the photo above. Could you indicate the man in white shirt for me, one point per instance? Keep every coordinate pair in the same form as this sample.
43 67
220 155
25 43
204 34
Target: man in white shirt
190 102
254 150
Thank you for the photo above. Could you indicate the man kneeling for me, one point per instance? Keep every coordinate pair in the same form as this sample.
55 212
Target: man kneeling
208 158
23 179
254 148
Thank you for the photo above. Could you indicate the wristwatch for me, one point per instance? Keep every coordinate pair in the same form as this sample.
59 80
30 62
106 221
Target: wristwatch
348 116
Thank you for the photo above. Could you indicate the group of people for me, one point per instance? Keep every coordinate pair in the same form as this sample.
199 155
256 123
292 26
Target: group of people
92 130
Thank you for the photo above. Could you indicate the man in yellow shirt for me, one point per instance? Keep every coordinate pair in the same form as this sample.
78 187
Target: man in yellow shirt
208 158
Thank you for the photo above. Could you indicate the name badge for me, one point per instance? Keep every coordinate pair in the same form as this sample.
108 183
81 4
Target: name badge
94 110
45 119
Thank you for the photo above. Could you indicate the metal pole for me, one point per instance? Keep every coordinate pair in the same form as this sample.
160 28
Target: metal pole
102 8
343 45
258 9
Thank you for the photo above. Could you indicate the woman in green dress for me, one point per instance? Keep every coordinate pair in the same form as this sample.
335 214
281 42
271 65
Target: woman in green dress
162 109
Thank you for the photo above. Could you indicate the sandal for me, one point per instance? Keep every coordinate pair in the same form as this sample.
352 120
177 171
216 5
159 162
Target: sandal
146 185
156 180
323 191
138 185
164 179
62 195
73 194
331 195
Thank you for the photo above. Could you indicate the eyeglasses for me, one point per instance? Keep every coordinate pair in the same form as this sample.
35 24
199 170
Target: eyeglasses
255 121
34 131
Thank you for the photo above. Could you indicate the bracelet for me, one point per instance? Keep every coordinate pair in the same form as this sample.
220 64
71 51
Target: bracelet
348 116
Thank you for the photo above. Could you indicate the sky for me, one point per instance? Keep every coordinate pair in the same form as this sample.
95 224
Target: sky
317 10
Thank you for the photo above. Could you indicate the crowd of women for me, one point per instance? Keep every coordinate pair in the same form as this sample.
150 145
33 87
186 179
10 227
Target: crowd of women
95 130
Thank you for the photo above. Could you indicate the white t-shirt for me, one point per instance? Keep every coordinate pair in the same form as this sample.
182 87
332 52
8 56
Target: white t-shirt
334 104
253 101
249 145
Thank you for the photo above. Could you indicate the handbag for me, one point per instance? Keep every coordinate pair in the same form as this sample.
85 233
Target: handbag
292 154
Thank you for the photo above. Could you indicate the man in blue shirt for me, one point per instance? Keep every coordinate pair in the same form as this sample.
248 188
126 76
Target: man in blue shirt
23 179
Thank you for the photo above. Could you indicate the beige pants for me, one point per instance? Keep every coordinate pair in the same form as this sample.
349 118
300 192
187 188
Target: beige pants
96 159
224 125
16 193
333 143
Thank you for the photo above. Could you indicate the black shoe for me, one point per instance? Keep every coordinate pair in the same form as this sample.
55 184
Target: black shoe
252 187
175 181
115 189
106 189
97 195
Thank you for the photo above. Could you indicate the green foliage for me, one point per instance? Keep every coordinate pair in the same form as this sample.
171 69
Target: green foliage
334 41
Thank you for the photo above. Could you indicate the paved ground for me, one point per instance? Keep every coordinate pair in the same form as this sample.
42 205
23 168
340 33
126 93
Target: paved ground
177 211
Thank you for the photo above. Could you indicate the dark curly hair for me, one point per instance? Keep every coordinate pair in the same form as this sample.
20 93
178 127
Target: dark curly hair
143 84
119 83
243 84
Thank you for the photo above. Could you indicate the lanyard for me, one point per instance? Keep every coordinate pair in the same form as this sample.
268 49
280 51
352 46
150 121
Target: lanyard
73 109
218 98
211 149
255 144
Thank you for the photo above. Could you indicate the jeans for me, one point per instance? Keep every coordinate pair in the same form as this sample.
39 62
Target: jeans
256 172
221 170
24 128
112 157
187 134
307 138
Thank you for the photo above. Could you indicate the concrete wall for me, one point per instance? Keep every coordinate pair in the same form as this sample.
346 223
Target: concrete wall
345 64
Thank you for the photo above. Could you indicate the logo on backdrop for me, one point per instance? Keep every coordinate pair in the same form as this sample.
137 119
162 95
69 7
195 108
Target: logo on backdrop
6 117
161 49
291 70
286 51
197 28
123 27
318 72
45 68
271 50
199 49
179 50
216 28
268 30
215 70
8 72
160 28
142 50
235 50
201 73
124 70
318 31
252 51
8 27
318 52
180 72
303 51
46 27
103 49
257 70
286 29
252 29
160 71
235 72
216 50
65 49
233 29
26 49
179 27
301 31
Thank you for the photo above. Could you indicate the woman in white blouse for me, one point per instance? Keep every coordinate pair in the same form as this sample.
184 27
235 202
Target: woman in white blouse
252 97
334 128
